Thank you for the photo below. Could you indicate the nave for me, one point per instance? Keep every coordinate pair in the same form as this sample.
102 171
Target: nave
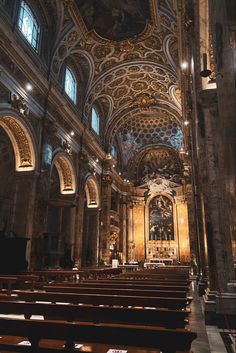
117 174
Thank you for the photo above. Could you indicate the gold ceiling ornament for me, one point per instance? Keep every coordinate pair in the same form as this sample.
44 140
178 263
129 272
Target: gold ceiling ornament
22 143
144 102
92 193
125 46
66 175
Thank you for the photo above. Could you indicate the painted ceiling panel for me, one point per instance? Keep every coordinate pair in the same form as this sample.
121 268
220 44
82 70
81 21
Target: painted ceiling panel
113 19
148 129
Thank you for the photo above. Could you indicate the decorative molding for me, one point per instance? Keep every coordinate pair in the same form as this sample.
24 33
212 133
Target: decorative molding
66 174
22 143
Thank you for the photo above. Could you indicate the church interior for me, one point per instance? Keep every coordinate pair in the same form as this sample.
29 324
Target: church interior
117 169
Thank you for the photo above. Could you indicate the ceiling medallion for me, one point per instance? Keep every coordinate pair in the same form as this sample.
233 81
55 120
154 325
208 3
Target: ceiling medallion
144 102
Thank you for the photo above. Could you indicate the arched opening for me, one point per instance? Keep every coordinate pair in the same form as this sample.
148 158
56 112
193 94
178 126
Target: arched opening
22 143
66 174
16 194
90 226
8 180
59 234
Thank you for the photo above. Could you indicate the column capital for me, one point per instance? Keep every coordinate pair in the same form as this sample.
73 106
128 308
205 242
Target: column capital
106 178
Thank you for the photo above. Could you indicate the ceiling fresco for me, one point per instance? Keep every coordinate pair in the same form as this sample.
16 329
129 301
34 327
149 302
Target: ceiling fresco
115 20
130 51
159 161
148 129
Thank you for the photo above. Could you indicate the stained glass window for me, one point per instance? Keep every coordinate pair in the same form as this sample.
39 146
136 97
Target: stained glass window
161 219
95 123
28 25
70 84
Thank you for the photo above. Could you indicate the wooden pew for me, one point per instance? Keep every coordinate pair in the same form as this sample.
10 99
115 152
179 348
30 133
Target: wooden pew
169 269
57 346
6 282
168 340
116 284
96 314
74 275
19 281
115 291
49 275
25 281
140 281
152 276
103 299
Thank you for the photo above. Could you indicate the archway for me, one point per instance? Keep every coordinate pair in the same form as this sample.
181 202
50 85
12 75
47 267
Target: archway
17 190
8 181
91 226
22 143
59 234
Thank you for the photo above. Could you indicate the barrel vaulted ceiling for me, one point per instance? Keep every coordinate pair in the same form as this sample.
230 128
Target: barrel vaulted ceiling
128 50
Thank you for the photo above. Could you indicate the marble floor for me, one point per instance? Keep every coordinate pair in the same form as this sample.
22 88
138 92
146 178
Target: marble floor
209 339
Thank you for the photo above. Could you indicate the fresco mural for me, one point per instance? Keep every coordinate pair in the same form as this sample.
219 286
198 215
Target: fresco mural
161 219
115 19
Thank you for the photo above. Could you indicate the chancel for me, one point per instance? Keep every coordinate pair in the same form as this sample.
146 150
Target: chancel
117 176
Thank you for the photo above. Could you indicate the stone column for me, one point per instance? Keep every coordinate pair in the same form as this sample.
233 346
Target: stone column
39 223
105 216
219 241
23 213
140 228
123 223
79 223
130 235
91 236
71 229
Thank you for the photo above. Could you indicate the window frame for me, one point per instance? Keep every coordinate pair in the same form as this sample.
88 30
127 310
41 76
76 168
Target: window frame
114 151
35 24
98 120
75 81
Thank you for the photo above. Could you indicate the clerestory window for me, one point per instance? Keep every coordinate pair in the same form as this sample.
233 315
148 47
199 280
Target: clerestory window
95 122
71 85
28 25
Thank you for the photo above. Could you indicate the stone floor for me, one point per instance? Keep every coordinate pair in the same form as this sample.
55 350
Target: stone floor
209 339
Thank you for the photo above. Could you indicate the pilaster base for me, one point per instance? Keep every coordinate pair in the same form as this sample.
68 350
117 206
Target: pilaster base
220 309
209 299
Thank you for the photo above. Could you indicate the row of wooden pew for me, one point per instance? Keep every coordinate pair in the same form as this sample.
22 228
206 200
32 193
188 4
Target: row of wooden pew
148 311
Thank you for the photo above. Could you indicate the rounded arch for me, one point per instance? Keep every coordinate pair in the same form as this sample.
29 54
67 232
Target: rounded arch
66 173
22 141
150 197
92 192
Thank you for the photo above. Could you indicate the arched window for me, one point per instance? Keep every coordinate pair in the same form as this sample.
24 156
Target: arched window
161 219
28 25
113 151
70 84
95 121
